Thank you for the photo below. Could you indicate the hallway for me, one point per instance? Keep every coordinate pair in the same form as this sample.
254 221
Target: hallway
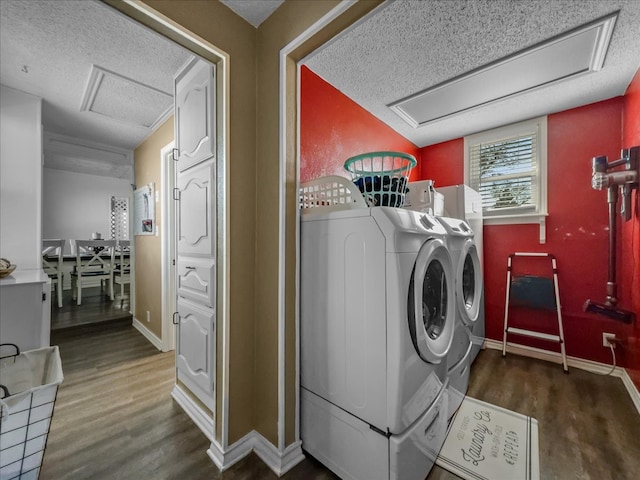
114 416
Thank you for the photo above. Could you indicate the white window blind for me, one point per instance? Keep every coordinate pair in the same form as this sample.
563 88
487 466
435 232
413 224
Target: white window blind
508 167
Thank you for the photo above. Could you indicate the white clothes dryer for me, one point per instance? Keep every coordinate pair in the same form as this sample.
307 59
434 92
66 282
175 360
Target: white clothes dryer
469 331
462 202
468 275
377 316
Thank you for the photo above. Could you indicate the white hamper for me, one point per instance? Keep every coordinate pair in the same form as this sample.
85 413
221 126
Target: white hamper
29 383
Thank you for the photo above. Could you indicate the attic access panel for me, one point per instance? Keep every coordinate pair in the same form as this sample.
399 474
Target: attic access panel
574 53
124 100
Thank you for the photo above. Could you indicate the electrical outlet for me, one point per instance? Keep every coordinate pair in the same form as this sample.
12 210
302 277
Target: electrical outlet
149 318
608 339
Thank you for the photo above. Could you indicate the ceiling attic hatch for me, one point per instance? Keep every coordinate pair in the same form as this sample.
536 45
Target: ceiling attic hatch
574 53
125 100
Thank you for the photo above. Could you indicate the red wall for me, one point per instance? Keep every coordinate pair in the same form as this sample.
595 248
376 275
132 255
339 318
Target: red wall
577 231
630 252
443 163
335 128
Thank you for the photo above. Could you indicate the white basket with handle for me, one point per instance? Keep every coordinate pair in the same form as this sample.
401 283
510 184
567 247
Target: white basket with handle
330 194
29 382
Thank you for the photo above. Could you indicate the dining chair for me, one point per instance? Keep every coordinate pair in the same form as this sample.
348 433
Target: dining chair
52 250
94 260
122 269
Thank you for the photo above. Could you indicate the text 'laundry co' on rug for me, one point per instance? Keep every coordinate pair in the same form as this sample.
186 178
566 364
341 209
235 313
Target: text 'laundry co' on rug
486 442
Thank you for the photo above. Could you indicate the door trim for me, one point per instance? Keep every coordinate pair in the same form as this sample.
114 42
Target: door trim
287 65
168 246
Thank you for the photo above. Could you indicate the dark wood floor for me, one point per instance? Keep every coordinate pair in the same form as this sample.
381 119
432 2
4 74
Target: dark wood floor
115 419
96 307
589 428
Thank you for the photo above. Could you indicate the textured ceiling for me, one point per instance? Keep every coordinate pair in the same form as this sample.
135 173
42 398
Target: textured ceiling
407 46
49 49
253 11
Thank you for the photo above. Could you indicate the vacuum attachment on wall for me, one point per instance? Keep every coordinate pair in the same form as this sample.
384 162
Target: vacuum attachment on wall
626 180
609 311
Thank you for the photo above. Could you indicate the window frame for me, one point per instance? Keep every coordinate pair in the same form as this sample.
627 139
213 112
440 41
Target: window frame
500 133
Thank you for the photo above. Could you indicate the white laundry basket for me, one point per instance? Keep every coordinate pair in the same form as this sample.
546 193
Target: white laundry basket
29 382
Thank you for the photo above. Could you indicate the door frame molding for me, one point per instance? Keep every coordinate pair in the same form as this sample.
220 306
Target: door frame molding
285 134
168 246
292 57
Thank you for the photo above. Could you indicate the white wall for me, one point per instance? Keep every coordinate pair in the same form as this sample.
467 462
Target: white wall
77 204
20 177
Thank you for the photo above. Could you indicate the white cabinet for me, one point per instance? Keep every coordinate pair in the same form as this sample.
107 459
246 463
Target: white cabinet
196 210
25 309
195 360
196 280
195 114
196 227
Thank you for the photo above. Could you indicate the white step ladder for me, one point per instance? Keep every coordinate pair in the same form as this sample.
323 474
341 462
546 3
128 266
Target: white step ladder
544 300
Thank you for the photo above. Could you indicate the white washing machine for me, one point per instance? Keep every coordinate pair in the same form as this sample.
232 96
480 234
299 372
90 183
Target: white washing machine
376 324
469 293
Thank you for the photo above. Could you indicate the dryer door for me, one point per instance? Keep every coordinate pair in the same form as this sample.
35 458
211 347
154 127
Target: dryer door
432 301
469 283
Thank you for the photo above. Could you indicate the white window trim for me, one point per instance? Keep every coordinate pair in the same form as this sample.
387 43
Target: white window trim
507 131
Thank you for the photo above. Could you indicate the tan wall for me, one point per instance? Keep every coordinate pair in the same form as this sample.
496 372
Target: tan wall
287 23
254 180
148 253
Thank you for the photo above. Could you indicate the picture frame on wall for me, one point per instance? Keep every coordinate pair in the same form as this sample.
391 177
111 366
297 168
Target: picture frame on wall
144 210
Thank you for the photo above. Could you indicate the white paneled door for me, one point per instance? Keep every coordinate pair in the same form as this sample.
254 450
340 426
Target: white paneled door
195 114
196 265
196 232
194 350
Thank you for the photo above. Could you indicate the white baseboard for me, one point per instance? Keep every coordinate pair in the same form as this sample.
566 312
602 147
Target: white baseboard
148 334
632 389
233 454
279 462
203 421
575 362
553 357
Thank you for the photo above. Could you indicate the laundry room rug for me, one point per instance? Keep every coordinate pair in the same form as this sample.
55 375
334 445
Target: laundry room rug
486 442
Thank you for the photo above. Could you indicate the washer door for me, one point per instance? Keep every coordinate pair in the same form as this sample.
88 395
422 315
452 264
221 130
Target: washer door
469 283
431 301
